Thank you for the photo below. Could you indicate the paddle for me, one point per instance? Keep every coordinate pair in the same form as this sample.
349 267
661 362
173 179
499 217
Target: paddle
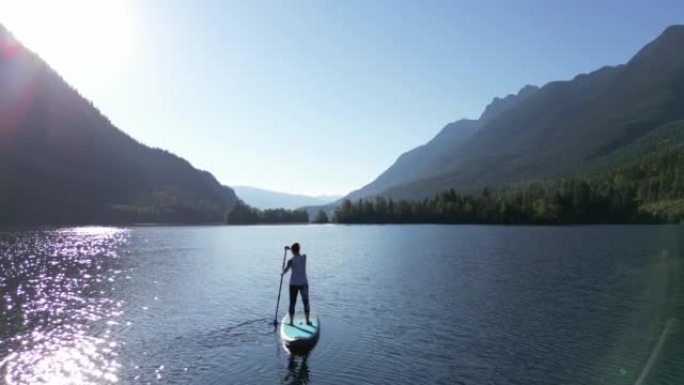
275 319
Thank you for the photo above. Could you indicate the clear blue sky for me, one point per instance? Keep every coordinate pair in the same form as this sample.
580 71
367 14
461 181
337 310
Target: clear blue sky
319 96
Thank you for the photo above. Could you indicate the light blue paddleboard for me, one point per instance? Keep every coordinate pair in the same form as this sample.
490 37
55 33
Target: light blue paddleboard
300 336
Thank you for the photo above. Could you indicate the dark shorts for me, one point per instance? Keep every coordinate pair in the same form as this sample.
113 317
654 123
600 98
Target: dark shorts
304 290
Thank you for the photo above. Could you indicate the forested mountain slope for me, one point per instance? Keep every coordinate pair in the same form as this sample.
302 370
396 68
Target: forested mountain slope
62 161
558 130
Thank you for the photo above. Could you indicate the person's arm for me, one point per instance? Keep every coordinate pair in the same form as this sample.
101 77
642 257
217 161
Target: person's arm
287 266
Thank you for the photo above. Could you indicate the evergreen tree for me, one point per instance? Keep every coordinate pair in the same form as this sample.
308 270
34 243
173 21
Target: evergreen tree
649 190
321 217
243 214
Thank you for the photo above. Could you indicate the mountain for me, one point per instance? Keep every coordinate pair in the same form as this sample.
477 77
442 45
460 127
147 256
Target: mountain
499 105
421 161
560 129
62 161
267 199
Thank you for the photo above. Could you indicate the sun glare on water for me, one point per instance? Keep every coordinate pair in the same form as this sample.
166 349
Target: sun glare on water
76 37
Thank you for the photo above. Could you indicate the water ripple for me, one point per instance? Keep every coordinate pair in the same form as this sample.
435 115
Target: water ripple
57 308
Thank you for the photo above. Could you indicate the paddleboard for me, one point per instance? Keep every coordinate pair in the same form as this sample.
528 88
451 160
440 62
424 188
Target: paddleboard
300 336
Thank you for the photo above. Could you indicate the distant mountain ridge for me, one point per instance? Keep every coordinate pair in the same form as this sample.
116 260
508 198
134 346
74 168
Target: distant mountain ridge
499 105
268 199
423 160
62 161
552 131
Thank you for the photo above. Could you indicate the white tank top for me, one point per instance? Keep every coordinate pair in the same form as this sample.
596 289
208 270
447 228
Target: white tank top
298 268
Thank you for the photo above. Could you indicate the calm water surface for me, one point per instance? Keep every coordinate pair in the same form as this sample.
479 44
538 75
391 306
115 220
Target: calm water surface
398 305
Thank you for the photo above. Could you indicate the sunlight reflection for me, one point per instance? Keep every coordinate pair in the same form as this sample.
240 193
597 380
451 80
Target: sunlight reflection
57 312
93 230
58 359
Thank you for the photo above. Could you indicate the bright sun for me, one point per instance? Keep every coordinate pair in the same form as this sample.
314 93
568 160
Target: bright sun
76 37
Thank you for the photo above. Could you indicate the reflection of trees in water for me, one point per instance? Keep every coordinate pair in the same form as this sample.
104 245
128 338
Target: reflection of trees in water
297 370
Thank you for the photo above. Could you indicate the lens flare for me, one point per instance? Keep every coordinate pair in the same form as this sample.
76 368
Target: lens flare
76 37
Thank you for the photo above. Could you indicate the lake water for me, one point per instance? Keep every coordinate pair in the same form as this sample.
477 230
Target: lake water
398 305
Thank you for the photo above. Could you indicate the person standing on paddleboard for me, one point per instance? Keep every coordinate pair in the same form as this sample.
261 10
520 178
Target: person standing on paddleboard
298 281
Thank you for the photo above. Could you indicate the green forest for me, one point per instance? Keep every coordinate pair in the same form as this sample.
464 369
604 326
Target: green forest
244 214
650 190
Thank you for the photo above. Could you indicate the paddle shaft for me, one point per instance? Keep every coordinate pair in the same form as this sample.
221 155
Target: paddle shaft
280 288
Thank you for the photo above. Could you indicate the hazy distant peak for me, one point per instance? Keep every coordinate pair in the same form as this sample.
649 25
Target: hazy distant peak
459 127
675 31
528 90
268 199
669 44
459 122
499 105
